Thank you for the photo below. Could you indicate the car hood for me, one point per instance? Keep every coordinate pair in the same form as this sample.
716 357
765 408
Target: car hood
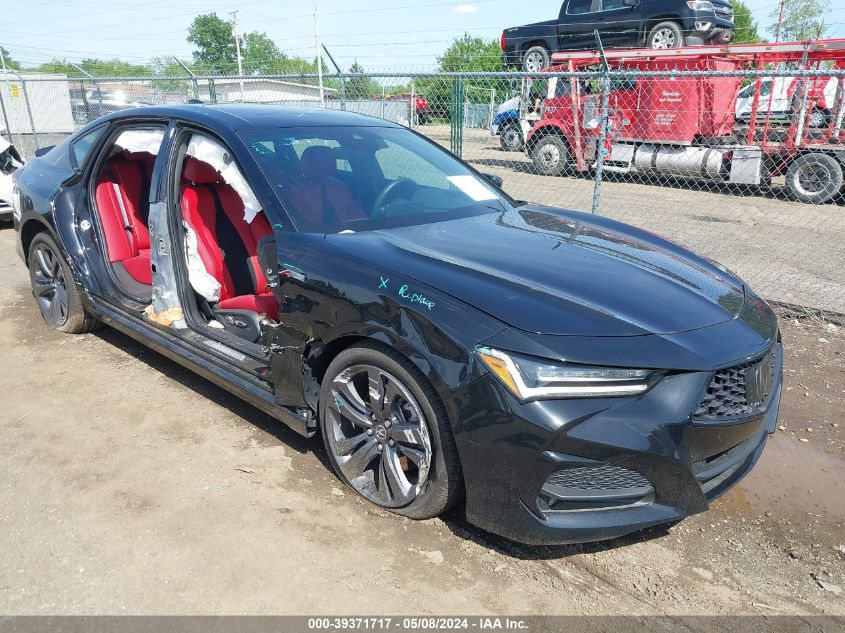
561 273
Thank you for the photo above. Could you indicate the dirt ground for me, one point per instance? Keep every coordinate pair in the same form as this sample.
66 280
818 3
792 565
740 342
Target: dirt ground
129 485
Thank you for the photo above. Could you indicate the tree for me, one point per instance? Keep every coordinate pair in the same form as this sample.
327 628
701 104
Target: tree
260 54
361 87
465 54
802 20
744 24
7 57
215 46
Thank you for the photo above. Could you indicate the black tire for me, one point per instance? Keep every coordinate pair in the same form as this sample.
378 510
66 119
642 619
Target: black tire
54 289
665 35
550 155
510 137
814 178
535 59
444 484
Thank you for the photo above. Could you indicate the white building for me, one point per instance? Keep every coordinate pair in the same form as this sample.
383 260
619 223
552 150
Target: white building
259 90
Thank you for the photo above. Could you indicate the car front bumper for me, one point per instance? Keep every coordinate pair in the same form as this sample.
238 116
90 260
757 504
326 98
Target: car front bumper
579 470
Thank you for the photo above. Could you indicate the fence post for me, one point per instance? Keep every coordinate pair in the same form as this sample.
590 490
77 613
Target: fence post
456 136
193 77
604 118
29 113
5 116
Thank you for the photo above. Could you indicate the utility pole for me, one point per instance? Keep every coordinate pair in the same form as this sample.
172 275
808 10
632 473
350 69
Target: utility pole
319 55
780 20
237 37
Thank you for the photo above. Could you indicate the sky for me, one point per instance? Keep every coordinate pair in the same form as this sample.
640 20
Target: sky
381 35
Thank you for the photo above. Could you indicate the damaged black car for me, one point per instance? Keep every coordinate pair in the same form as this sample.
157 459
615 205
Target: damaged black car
567 377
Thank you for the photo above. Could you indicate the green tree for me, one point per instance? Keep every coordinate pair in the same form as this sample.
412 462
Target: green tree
465 54
260 54
361 86
802 20
215 45
745 25
10 63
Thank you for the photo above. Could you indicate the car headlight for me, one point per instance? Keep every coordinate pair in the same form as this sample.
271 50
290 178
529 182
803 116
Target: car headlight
700 5
536 379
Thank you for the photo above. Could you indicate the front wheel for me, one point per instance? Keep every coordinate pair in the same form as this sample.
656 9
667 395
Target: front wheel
54 290
814 178
386 432
665 35
550 155
510 137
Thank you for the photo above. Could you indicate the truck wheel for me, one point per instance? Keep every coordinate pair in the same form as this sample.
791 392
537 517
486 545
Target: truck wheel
550 155
819 117
535 59
510 137
814 178
665 35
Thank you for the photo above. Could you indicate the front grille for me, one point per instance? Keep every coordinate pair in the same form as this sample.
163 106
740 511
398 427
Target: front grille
601 477
729 395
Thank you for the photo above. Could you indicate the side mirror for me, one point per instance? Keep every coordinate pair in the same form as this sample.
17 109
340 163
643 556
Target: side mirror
631 3
43 150
494 179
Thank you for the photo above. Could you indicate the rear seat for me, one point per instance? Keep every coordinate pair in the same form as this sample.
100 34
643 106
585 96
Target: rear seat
122 196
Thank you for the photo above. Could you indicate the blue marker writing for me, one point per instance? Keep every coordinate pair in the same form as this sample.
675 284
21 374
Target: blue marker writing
415 297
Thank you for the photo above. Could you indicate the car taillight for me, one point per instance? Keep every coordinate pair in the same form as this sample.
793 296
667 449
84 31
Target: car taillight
504 40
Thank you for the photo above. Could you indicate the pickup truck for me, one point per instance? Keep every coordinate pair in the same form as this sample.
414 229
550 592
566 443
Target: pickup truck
621 24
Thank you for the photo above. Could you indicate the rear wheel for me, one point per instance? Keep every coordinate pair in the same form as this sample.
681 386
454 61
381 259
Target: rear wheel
535 59
510 137
550 155
665 35
814 178
386 432
54 290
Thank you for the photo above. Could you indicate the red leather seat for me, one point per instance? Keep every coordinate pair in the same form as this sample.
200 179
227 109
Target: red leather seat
227 244
122 196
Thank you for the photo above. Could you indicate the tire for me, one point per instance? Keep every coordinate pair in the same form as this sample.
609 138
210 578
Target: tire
510 137
372 456
550 155
535 59
814 178
819 118
665 35
54 289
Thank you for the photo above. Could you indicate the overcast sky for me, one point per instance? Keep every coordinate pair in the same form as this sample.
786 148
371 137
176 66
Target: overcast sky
404 34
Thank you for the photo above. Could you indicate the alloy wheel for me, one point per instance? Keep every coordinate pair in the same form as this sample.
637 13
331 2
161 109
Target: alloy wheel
534 62
549 156
48 285
664 38
378 435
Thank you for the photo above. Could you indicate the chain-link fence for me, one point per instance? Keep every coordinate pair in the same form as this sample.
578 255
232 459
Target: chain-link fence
744 167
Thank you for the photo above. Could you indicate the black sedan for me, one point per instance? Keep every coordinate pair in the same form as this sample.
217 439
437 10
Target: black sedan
571 377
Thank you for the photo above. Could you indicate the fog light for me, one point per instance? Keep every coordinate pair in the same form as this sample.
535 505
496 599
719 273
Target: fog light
703 26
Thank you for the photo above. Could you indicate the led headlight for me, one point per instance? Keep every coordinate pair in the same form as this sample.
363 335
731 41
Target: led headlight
700 5
536 379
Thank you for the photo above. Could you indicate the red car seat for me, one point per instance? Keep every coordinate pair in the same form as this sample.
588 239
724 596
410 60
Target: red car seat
122 194
227 244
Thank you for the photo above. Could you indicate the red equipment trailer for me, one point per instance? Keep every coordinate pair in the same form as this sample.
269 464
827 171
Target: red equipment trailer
685 126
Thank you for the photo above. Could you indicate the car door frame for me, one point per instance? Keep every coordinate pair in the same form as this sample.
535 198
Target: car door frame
575 30
629 18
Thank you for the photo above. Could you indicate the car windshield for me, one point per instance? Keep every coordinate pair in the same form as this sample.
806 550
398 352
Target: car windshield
334 179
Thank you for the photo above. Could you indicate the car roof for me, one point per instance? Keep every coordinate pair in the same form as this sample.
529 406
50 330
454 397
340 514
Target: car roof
245 116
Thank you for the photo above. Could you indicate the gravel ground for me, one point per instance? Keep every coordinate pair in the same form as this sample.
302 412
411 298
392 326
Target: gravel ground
786 250
129 485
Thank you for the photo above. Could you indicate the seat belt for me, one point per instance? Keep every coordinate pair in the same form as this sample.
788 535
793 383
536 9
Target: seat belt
127 226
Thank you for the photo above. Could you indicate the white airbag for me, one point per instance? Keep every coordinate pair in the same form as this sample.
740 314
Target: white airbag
201 281
214 154
148 141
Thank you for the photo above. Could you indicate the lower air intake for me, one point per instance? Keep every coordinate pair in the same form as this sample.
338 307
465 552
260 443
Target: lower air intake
594 487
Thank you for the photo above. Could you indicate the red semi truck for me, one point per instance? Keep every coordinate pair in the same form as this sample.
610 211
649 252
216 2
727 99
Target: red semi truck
686 126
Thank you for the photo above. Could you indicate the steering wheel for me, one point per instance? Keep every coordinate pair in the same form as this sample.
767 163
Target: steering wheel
393 189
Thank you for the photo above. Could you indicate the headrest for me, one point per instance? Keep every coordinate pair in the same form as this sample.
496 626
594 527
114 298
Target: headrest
199 173
318 161
144 157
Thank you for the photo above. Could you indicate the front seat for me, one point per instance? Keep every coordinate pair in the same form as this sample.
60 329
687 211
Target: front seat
227 244
319 197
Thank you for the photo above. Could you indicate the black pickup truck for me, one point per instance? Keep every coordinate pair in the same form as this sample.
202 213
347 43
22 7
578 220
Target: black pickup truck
621 24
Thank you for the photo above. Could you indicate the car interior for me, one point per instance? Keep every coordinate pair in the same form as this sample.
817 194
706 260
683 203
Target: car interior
224 230
122 195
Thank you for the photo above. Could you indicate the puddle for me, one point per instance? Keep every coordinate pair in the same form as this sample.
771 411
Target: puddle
793 480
